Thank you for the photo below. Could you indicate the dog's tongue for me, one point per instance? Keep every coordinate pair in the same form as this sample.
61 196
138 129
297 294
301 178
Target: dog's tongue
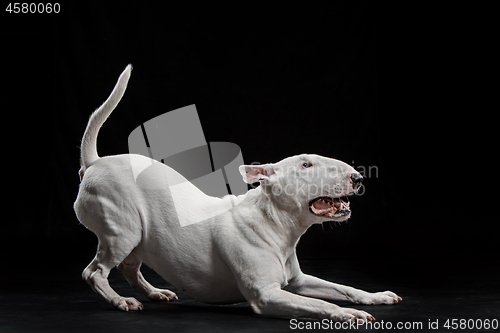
319 205
320 208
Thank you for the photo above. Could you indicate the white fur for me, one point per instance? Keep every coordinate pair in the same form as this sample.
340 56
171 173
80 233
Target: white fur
245 252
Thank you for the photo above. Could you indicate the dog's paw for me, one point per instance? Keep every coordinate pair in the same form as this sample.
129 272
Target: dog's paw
351 315
126 304
384 297
162 295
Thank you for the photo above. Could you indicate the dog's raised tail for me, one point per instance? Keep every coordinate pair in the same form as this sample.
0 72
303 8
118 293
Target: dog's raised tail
98 117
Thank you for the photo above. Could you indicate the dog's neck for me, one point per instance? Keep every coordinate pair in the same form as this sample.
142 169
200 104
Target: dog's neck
284 226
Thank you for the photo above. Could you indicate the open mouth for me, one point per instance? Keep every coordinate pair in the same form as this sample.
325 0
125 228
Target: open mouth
330 207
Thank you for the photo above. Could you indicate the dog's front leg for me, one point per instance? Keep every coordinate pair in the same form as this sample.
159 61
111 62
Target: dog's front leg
311 286
273 301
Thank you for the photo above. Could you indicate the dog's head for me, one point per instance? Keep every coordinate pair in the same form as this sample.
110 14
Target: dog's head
312 186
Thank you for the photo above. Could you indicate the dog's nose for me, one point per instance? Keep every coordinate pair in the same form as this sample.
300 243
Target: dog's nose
356 178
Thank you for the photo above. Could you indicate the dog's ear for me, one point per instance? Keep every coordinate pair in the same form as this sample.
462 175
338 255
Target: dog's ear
254 173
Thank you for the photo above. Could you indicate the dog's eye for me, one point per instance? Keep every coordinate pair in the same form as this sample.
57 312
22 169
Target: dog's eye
306 165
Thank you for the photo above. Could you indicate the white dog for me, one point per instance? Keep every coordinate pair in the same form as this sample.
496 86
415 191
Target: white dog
244 253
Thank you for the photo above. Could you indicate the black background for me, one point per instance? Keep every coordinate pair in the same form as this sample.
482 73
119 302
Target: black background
403 87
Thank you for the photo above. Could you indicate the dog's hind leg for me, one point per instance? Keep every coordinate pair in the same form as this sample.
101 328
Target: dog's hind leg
111 251
130 268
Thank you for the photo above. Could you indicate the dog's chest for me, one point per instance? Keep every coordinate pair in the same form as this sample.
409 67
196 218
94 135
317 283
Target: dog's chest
288 271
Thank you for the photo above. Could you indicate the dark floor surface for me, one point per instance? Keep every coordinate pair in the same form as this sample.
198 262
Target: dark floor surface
57 300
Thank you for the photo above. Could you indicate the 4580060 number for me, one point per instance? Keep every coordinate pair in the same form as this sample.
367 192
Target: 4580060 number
471 324
32 8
